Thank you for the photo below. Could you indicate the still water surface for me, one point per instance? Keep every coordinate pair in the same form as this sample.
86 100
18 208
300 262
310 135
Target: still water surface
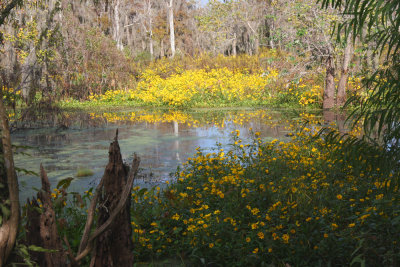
65 142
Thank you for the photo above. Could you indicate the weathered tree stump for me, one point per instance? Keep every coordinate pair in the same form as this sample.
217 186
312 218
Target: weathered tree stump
110 243
114 246
42 228
32 228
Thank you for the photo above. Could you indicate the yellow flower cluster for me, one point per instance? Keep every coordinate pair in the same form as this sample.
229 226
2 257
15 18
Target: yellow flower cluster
110 95
8 93
311 96
296 196
354 84
201 86
199 81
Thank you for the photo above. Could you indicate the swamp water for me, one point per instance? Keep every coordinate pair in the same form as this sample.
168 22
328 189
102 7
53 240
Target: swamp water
66 142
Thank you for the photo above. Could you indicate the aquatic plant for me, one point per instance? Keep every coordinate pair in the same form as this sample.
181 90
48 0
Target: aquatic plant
82 172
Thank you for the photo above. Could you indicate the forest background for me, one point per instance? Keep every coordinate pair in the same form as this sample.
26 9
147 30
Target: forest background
79 50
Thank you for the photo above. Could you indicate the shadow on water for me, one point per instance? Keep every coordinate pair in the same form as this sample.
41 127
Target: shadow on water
66 142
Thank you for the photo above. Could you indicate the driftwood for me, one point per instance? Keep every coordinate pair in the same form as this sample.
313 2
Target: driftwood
42 229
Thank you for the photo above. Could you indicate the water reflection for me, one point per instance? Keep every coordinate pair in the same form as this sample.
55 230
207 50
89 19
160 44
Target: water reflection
164 140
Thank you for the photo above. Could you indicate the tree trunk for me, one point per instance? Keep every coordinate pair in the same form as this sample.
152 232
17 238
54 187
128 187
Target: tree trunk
329 92
375 61
171 27
234 44
328 116
341 91
114 245
9 228
151 42
117 26
27 76
42 229
143 45
249 50
256 45
369 59
162 54
272 30
3 184
271 36
128 34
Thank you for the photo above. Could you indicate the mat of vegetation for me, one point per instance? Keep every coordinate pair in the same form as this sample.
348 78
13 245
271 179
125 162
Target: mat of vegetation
306 202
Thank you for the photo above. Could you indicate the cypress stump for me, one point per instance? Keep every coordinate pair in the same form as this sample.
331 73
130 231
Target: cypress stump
114 246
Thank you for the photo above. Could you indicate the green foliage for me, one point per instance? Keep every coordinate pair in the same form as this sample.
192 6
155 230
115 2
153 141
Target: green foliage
379 107
379 18
4 208
22 251
143 57
379 21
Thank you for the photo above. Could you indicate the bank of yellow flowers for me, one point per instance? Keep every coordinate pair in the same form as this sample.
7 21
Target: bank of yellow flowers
223 81
199 87
305 202
202 87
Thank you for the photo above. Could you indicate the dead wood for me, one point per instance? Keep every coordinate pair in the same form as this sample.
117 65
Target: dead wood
110 224
32 228
114 244
110 242
90 218
42 227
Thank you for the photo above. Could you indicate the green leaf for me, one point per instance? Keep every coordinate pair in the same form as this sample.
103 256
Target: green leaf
65 183
5 211
177 230
142 191
40 249
359 260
